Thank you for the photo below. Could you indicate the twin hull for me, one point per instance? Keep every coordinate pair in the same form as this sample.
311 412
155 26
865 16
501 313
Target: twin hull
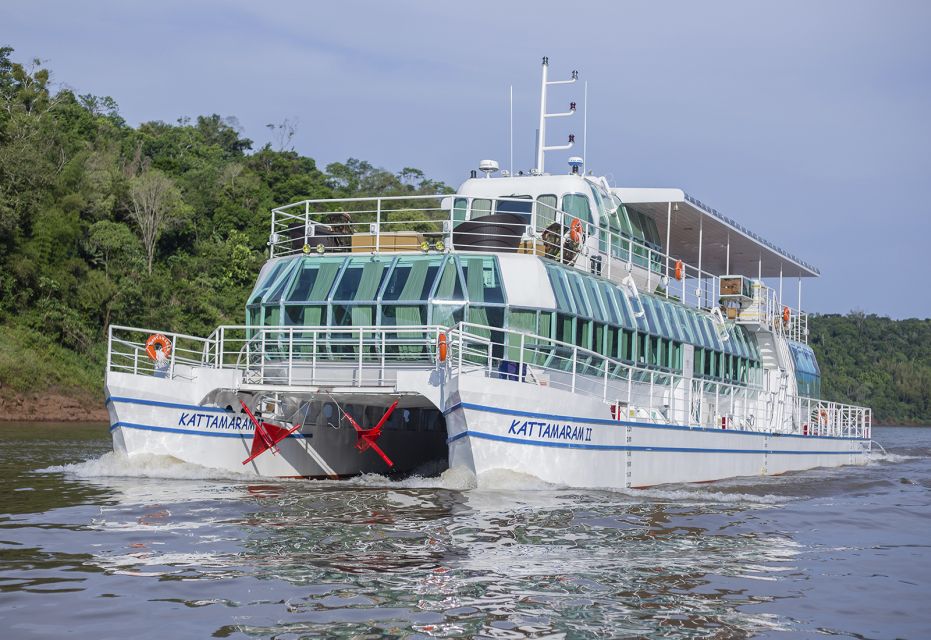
555 435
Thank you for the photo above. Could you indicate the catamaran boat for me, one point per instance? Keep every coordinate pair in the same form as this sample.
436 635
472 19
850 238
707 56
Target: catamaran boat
546 324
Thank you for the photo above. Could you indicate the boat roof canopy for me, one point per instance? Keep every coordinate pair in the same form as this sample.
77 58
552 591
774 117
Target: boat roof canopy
746 248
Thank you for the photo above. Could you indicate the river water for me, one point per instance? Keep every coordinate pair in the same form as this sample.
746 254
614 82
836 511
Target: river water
96 546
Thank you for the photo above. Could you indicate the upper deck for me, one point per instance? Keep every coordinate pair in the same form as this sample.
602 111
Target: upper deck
660 241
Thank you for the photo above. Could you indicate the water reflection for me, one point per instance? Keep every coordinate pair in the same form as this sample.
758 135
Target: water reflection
375 558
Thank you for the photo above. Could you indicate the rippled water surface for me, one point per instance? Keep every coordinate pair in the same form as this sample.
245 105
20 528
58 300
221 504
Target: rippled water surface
95 546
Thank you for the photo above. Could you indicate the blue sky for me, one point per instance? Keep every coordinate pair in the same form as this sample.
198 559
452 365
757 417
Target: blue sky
808 122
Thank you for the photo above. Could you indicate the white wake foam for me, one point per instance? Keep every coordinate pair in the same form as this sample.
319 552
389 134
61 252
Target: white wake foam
143 465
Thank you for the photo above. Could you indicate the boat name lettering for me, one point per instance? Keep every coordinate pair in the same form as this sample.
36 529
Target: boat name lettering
550 431
212 421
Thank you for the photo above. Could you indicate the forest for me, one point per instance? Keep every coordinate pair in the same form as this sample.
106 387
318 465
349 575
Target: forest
165 225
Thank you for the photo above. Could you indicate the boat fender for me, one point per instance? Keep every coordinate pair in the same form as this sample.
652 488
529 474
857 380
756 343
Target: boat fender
679 269
786 314
575 231
442 348
158 340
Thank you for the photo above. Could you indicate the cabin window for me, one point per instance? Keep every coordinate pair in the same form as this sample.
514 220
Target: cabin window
449 285
521 209
578 295
546 210
460 208
480 207
577 206
412 278
482 280
628 340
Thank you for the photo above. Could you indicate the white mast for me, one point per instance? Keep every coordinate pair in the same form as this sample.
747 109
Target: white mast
511 129
541 132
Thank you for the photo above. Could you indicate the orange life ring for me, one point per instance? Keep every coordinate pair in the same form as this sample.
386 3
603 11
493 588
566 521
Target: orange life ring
575 231
786 314
680 268
442 348
158 340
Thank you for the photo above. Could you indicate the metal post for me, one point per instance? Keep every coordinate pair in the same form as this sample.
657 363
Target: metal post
306 220
605 363
378 223
575 353
381 371
361 335
290 355
668 232
520 361
700 239
541 132
171 370
727 267
313 358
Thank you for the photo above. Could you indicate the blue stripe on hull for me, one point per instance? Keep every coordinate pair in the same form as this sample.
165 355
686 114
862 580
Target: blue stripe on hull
189 432
606 447
624 423
169 405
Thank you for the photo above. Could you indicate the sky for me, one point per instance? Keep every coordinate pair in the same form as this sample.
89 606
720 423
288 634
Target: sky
807 122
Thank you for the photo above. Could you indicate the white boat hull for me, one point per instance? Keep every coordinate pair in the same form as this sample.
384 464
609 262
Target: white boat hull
162 417
565 439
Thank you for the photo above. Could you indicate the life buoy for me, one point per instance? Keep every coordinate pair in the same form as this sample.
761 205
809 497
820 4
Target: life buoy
575 231
158 340
442 348
786 314
680 268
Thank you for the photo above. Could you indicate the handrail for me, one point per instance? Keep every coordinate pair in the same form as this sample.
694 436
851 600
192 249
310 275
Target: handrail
372 356
306 227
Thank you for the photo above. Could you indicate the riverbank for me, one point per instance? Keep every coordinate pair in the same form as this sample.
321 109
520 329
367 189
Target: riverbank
52 406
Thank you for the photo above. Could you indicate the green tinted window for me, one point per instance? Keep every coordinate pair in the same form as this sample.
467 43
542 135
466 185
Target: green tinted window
483 281
412 278
449 286
361 279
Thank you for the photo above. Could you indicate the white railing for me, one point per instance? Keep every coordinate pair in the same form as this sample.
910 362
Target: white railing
765 309
126 352
823 418
428 224
372 357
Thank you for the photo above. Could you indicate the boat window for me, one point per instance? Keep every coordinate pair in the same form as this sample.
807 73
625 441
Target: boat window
480 207
624 218
412 278
482 279
609 302
577 206
447 314
560 288
522 209
460 207
449 285
274 293
599 204
546 210
268 281
523 320
361 279
578 295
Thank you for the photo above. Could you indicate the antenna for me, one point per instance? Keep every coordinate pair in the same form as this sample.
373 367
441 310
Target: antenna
511 129
541 132
584 128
